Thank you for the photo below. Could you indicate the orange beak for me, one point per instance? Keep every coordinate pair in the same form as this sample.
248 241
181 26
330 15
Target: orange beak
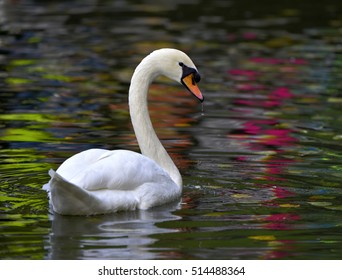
189 82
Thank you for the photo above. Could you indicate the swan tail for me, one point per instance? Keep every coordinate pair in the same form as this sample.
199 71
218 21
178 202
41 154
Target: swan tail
67 198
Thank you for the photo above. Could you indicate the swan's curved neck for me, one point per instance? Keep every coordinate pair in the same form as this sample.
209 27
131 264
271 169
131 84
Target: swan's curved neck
149 143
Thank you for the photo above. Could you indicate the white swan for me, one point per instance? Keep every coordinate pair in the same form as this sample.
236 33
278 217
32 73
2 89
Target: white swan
99 181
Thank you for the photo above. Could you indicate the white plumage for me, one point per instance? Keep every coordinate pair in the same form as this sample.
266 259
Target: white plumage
98 181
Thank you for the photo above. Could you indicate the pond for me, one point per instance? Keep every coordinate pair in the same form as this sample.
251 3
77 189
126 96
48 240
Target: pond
261 160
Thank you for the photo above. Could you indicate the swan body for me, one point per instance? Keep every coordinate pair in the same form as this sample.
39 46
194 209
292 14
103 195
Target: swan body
99 181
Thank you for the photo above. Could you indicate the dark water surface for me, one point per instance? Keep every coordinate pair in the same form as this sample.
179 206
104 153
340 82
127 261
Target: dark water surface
262 164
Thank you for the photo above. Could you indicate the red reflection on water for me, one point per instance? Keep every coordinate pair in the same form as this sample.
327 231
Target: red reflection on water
270 138
281 192
280 221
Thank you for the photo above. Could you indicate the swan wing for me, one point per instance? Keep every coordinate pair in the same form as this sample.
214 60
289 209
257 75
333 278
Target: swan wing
67 198
74 165
98 169
101 181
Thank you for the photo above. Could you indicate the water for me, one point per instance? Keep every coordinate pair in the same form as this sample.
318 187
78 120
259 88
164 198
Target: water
261 160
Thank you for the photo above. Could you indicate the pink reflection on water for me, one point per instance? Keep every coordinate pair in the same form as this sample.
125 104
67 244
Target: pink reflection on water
265 139
250 74
268 137
281 192
274 61
277 137
250 35
249 87
273 99
281 93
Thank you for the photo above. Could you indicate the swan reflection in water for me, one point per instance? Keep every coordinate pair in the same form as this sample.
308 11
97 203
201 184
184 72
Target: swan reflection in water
122 235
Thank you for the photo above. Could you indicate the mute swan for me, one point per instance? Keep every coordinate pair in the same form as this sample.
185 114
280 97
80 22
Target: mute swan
98 181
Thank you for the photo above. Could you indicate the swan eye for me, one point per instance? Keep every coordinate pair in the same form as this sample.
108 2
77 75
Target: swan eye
181 64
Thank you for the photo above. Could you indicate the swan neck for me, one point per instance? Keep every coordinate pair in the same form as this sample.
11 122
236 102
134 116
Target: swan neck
148 141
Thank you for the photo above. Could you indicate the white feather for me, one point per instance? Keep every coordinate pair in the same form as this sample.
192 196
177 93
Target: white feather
99 181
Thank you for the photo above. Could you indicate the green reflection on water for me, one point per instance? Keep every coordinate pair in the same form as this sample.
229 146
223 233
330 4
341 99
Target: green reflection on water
266 189
26 135
20 187
30 117
22 236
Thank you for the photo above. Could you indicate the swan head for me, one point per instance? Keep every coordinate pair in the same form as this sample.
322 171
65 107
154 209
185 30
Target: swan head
177 66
